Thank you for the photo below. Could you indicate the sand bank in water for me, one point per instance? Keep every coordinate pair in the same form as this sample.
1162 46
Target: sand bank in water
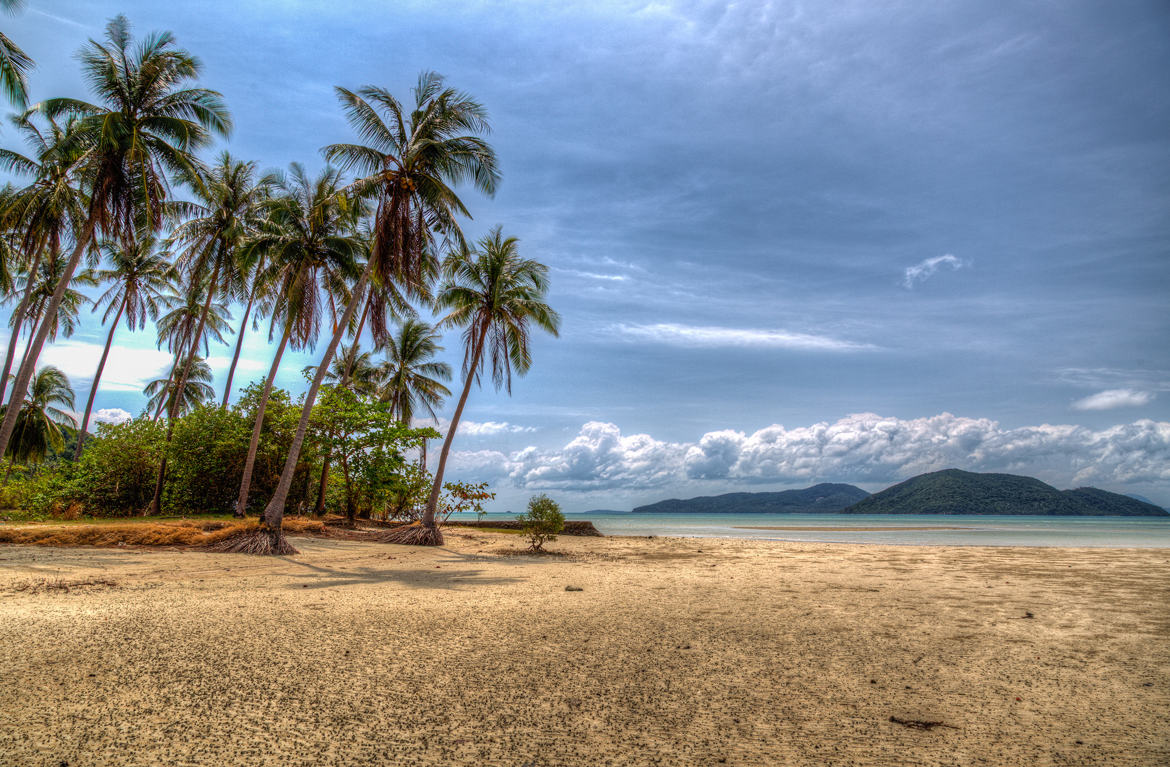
675 652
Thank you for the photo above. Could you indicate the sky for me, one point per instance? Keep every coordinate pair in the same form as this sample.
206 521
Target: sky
790 242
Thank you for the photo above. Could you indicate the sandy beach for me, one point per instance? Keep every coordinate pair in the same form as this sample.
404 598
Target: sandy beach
674 652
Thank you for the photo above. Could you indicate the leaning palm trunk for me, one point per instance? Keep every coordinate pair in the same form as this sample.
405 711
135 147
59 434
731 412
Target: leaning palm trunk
319 509
18 320
254 445
427 533
20 386
227 387
96 379
268 538
156 501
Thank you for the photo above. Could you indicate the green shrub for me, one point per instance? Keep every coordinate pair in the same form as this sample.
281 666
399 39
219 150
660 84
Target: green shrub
541 522
118 468
206 460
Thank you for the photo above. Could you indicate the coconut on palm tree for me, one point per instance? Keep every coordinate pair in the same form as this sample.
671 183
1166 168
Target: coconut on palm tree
496 297
311 248
44 416
149 121
408 167
140 274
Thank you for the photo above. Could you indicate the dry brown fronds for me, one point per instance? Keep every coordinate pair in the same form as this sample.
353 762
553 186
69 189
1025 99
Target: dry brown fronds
414 535
185 532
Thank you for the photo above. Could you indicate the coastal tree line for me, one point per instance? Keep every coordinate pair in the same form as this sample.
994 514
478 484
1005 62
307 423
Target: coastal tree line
119 198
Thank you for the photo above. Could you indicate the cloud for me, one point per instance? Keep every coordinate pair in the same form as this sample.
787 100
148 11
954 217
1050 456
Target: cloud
111 415
1114 398
703 336
924 270
127 369
863 447
490 428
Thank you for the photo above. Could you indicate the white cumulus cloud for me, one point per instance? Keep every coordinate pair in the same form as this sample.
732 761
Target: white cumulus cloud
924 270
127 368
863 447
1113 398
111 415
703 336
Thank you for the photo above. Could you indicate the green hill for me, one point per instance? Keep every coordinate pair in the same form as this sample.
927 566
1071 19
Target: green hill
824 498
952 491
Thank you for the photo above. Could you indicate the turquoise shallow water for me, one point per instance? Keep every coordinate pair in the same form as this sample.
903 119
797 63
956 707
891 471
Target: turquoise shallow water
975 530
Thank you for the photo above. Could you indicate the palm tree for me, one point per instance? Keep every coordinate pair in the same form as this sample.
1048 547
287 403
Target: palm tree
228 211
182 311
149 122
39 288
196 391
43 415
43 214
139 274
495 296
250 266
410 377
408 165
14 63
312 249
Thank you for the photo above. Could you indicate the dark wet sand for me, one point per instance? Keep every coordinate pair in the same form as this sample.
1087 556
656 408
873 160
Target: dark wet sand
884 529
676 652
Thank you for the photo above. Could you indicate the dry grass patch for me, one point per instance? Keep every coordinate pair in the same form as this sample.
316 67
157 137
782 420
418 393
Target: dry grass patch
184 532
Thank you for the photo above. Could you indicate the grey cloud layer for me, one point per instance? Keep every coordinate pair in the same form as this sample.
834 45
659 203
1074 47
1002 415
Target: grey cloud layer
862 447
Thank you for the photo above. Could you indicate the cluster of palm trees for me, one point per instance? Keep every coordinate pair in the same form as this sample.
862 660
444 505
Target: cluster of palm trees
359 244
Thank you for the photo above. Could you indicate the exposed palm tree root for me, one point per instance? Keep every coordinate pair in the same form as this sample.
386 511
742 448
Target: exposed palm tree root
414 535
262 540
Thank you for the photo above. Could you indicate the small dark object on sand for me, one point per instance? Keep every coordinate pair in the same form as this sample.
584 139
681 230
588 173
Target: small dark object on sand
920 724
573 588
1029 615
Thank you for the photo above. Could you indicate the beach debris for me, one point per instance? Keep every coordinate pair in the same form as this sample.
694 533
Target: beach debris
573 588
1028 614
920 724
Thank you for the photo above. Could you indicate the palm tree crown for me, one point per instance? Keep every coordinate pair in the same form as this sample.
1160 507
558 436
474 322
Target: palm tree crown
43 417
410 376
197 390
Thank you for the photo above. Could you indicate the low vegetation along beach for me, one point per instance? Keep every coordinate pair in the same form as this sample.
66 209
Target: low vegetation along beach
606 651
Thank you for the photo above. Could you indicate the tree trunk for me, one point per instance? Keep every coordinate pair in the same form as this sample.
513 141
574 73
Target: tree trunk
32 334
172 413
253 446
274 512
96 379
320 509
350 510
227 388
20 386
428 519
164 400
18 320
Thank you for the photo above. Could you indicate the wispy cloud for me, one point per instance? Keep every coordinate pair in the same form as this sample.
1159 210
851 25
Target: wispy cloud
1114 398
924 270
127 369
111 415
704 336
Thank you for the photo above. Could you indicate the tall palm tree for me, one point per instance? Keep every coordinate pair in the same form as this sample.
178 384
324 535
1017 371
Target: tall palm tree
312 249
14 63
409 164
230 198
43 416
496 297
250 266
196 391
150 121
140 274
42 215
410 376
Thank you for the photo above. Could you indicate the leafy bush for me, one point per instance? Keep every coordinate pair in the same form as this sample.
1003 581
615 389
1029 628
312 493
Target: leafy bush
541 522
205 461
118 468
40 494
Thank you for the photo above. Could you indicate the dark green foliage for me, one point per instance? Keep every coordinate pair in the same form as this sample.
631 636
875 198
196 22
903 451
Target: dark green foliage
115 476
952 491
205 458
542 521
825 498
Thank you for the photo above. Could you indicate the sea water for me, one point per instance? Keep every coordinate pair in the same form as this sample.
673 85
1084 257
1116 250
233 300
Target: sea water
916 529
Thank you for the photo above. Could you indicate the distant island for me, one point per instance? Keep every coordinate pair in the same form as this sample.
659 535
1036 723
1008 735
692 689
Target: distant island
825 498
949 491
952 491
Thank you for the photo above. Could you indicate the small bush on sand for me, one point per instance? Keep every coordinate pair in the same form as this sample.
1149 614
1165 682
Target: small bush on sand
541 522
